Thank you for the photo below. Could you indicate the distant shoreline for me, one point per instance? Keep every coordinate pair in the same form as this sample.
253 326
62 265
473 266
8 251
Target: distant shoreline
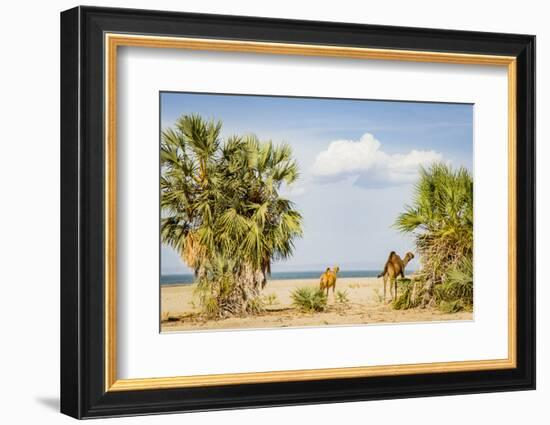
188 279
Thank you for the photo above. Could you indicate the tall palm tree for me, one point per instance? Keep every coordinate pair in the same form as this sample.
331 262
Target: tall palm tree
221 208
441 218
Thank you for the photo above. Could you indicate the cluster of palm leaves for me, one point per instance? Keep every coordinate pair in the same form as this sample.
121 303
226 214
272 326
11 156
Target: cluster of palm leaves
441 219
457 291
221 210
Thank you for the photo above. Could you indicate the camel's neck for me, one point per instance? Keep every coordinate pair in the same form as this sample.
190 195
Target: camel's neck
406 261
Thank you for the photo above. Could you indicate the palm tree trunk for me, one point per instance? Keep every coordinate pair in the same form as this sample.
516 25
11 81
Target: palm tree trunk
245 296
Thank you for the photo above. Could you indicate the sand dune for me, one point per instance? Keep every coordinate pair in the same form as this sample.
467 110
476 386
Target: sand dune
180 311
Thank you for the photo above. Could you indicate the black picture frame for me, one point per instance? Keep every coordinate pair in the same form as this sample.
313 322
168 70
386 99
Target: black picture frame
83 392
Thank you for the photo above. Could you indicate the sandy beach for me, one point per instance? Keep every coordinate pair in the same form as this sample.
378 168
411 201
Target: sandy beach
180 312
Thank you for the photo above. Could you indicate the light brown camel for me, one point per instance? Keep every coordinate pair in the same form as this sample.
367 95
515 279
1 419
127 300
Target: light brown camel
328 279
395 267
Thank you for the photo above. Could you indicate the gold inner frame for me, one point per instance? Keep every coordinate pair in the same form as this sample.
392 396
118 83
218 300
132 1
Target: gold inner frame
113 41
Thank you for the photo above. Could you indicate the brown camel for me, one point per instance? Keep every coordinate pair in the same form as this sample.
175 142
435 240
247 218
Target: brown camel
328 279
395 267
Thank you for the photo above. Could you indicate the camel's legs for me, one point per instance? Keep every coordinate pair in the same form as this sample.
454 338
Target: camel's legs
384 279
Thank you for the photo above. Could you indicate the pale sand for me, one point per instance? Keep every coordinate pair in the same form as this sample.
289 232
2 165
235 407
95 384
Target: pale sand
180 313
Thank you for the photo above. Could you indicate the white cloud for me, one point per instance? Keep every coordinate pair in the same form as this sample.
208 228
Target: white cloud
294 190
372 166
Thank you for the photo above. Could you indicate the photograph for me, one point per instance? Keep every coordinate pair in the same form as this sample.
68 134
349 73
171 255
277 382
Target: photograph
279 211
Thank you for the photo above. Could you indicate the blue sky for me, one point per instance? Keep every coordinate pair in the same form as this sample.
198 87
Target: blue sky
358 161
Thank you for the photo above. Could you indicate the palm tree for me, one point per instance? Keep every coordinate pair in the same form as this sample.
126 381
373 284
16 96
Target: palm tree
222 210
441 219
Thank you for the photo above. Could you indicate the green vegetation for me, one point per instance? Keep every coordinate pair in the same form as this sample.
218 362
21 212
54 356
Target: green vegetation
342 297
407 297
309 299
457 292
450 306
441 220
222 212
270 300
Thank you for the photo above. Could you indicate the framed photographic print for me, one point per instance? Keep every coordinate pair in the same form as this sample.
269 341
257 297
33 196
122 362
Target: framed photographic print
261 212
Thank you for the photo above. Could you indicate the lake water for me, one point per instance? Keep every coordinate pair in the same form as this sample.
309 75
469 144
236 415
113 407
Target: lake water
178 279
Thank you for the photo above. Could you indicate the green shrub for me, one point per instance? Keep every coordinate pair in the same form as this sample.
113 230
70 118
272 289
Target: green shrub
214 287
451 306
342 297
256 306
407 297
309 299
457 292
270 300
